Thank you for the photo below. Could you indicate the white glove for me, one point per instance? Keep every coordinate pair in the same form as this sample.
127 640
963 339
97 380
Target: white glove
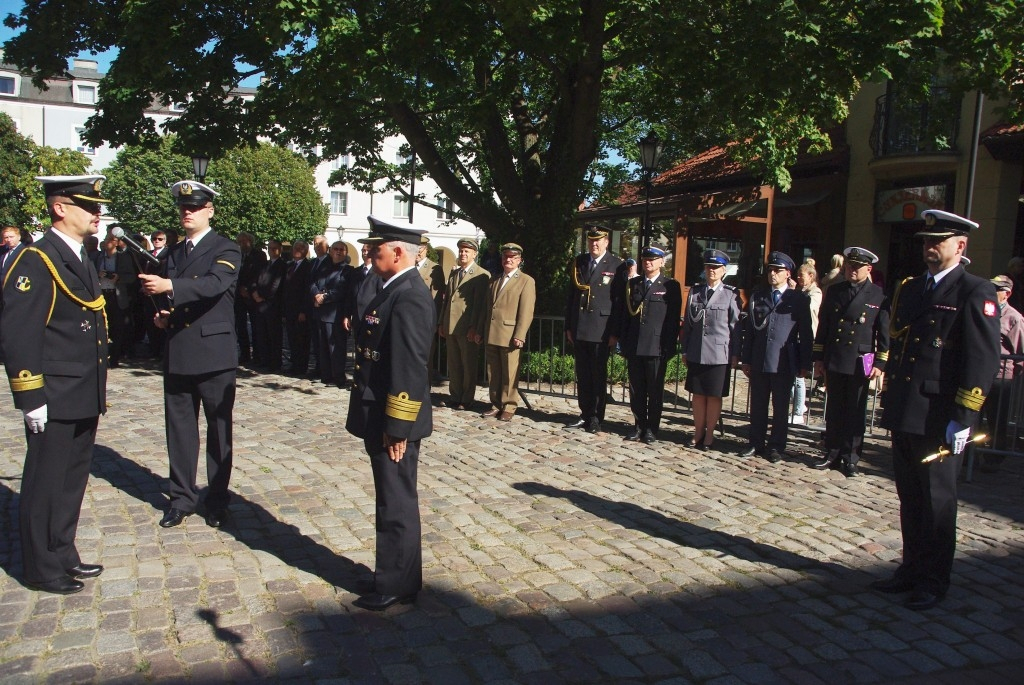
36 419
957 435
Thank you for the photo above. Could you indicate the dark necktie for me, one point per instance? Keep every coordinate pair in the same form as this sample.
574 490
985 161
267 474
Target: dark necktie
593 267
82 253
930 286
188 248
775 296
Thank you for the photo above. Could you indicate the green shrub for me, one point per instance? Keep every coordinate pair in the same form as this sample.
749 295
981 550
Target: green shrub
551 366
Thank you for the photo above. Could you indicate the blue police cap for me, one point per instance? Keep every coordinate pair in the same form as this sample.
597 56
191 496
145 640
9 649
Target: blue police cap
781 260
653 251
715 258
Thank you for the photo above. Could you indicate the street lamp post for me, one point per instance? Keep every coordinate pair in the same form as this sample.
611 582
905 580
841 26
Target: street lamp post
199 165
650 151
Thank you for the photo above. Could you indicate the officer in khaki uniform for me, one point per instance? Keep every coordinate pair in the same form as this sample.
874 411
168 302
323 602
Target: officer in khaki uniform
390 406
513 296
55 336
851 348
944 356
462 323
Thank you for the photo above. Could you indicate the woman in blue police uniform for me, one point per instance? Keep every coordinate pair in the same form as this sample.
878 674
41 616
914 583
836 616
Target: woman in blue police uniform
201 354
55 337
390 406
777 342
648 331
710 341
943 359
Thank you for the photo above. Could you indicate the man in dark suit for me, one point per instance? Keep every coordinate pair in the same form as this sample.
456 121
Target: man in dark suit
363 284
253 261
154 335
598 282
850 349
327 296
390 406
777 343
10 246
201 355
648 325
296 308
56 342
268 296
944 331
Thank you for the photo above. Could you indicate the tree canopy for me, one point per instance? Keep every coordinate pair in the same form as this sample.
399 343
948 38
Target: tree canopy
509 105
22 202
266 190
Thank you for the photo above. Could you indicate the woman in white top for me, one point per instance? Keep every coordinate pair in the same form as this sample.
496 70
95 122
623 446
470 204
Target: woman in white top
807 281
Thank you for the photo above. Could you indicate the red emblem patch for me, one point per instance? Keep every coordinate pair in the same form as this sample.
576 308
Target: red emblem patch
990 308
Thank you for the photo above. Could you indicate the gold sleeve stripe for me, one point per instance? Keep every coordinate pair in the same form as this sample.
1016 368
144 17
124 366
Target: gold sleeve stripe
884 356
818 347
970 399
226 263
401 407
26 381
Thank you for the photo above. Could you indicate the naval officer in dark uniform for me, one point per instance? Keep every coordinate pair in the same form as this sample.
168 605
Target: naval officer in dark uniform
55 336
648 330
390 406
944 356
598 282
850 349
201 354
777 342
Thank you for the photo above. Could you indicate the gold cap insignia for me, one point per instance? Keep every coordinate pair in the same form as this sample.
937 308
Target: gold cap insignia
185 189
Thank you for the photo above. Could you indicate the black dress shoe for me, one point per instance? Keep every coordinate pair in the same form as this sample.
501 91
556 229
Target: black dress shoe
892 585
593 426
216 518
748 451
174 517
61 586
774 456
649 438
635 436
378 602
849 470
829 461
920 600
581 423
84 571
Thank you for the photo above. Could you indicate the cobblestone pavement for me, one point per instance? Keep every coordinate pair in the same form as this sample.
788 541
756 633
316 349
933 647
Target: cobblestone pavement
550 556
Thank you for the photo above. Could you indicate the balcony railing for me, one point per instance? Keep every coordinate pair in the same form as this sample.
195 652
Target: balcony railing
906 125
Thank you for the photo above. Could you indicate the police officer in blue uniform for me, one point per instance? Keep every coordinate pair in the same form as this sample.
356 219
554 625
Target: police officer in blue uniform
777 342
598 282
851 349
55 336
201 354
390 405
647 333
943 359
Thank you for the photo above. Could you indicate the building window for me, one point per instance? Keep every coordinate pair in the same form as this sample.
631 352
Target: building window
339 202
85 95
401 207
82 146
177 107
340 162
7 85
733 246
444 210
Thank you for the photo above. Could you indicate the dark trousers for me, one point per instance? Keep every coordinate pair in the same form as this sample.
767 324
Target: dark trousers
242 318
773 387
156 336
298 342
399 566
591 378
268 337
647 391
845 414
117 327
332 352
52 488
928 509
182 397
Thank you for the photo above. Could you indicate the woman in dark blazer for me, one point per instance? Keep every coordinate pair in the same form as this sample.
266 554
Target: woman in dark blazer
709 340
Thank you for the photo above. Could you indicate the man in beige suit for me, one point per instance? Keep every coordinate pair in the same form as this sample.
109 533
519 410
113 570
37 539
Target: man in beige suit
513 296
462 323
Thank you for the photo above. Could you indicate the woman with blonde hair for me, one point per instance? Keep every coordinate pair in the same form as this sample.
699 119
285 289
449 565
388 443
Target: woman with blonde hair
835 273
807 281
